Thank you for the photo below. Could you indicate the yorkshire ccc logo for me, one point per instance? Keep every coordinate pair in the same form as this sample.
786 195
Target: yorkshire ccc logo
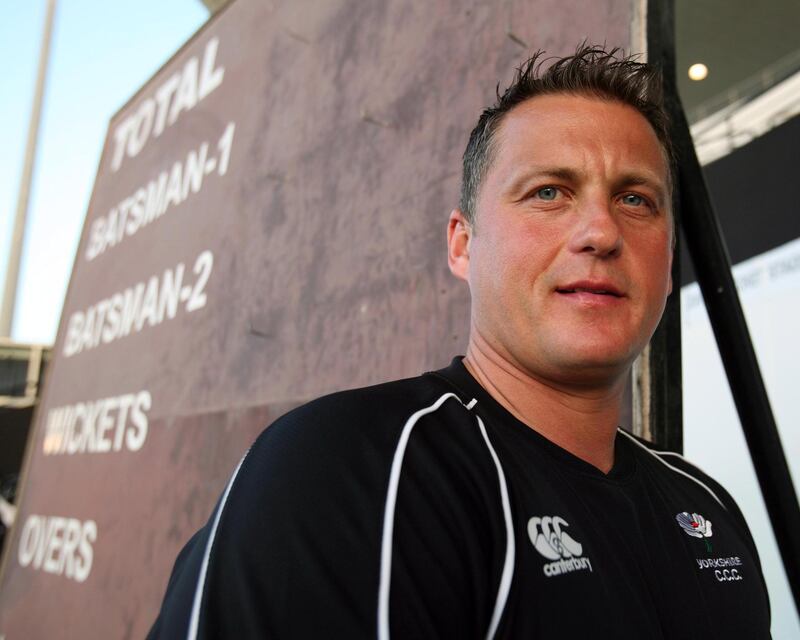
695 526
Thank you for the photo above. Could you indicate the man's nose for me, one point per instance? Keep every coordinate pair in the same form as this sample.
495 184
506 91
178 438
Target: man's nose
597 230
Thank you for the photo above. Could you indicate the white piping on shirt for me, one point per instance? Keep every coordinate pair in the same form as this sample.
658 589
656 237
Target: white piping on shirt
388 522
508 565
677 455
657 456
194 618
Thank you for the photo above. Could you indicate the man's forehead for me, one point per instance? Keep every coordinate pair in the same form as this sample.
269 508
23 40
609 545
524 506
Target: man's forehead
573 115
556 131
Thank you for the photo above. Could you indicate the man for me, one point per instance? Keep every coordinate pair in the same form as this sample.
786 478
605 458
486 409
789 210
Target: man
497 497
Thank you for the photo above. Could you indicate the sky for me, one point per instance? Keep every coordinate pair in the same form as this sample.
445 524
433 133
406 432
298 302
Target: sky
101 53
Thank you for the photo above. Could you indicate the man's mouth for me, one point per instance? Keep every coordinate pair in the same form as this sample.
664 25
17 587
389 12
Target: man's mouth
598 289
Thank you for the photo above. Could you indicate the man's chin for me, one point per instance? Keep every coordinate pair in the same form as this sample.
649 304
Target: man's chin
592 366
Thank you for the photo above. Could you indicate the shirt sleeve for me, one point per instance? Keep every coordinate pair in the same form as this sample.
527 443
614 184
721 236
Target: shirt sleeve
294 549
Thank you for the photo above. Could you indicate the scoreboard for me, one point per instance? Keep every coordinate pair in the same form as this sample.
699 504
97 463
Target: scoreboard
267 225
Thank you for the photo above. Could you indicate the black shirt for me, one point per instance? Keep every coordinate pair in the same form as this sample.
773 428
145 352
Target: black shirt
423 509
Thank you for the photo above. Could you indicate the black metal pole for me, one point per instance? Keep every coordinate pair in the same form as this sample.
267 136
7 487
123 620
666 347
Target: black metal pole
665 415
713 268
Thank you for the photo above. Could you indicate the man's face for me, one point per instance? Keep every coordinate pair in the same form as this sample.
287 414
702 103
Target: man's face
569 259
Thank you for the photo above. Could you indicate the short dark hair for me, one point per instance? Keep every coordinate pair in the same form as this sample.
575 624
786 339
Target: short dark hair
591 71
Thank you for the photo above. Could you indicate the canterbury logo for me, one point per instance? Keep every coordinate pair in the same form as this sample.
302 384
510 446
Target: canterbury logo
550 539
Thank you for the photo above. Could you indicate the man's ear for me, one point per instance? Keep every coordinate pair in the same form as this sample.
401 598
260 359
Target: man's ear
459 236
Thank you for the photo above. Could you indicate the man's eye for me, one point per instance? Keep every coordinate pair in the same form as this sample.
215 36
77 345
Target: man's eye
547 193
633 200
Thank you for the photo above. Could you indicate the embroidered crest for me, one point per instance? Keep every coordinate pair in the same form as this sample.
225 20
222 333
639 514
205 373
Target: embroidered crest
696 526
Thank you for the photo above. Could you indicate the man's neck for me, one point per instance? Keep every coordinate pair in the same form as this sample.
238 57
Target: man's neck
581 420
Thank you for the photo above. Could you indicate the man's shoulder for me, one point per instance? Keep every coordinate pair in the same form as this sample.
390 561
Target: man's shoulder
333 456
672 461
679 467
365 408
398 396
355 425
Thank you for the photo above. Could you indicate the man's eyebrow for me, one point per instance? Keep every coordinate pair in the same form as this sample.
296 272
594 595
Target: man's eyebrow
519 179
640 178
